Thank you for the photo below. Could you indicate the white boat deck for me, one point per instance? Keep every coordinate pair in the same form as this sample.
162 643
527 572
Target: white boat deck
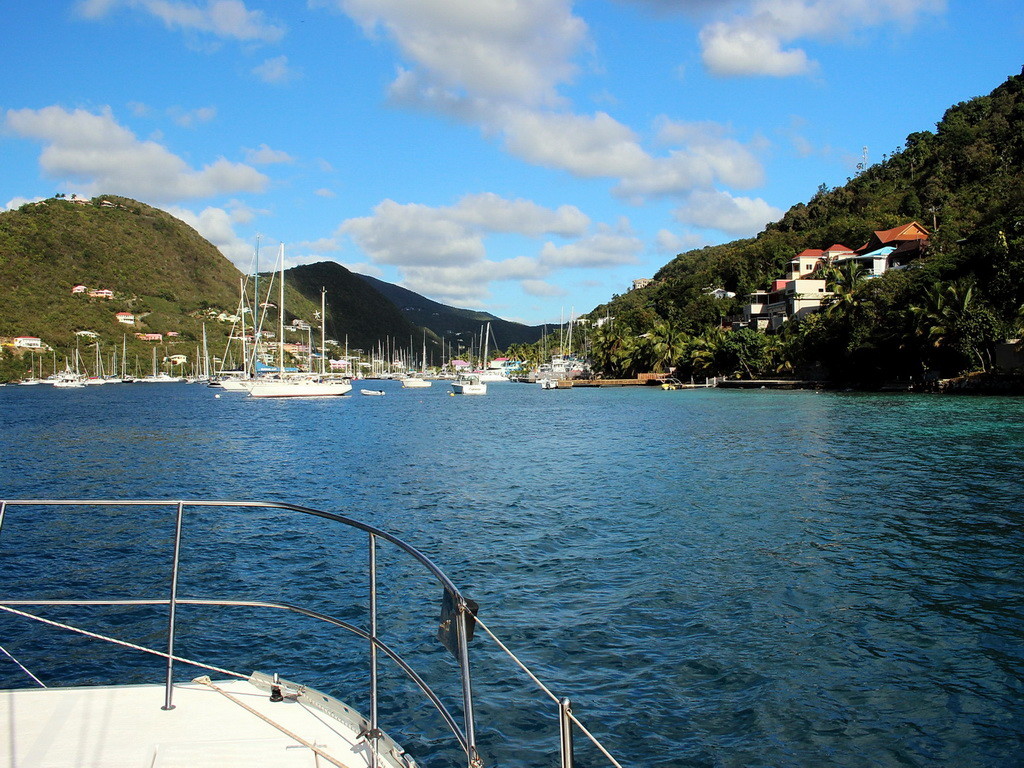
126 726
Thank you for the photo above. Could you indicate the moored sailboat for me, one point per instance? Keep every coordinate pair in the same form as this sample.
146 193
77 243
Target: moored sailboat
299 385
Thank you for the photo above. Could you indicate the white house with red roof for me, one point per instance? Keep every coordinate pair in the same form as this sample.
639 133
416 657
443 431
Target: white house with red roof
125 317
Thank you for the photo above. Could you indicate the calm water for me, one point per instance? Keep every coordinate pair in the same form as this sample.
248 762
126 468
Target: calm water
716 578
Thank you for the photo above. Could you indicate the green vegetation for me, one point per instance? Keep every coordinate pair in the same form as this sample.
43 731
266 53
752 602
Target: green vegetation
165 274
159 269
940 317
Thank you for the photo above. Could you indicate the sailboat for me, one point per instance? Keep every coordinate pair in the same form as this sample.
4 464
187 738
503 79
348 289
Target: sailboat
309 385
417 381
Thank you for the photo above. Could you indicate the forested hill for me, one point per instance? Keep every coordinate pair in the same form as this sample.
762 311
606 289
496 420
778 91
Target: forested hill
356 311
964 182
155 265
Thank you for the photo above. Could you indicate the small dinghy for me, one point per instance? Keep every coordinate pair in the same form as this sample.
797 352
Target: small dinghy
372 392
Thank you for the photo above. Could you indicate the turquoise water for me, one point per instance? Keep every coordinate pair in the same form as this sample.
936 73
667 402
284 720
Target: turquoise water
716 578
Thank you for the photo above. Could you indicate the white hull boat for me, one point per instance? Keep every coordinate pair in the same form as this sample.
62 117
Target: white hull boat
298 388
372 392
224 718
415 383
469 385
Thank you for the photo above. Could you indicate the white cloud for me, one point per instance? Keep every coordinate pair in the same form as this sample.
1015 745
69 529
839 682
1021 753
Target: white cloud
192 118
719 210
606 248
217 226
276 71
414 234
17 202
670 242
493 213
264 155
442 252
541 288
220 18
418 235
746 49
324 192
508 50
586 146
753 42
100 155
323 245
466 283
512 95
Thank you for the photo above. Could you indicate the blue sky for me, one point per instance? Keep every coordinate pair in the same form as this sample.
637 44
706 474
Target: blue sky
526 157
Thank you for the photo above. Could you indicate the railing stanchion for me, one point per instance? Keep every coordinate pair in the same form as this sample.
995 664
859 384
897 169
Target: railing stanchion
565 729
462 634
171 608
374 734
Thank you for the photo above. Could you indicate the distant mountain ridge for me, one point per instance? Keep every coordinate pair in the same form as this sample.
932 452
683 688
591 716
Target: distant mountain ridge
446 321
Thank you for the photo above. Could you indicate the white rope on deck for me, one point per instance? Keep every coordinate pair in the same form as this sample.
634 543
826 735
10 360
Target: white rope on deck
115 641
547 690
204 680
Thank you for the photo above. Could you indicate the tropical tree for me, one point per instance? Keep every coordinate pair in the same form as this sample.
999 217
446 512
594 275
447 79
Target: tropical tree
667 343
956 326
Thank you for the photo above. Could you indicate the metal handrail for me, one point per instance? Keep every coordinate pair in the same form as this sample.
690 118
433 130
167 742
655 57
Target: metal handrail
464 610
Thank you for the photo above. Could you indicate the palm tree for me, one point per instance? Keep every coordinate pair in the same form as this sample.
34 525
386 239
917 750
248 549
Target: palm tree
952 320
703 352
845 283
668 343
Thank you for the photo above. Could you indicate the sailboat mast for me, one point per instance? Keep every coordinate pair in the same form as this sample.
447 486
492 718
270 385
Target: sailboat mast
280 320
323 329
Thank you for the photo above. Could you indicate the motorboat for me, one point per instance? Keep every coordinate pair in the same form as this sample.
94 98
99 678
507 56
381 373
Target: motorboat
469 384
415 382
221 716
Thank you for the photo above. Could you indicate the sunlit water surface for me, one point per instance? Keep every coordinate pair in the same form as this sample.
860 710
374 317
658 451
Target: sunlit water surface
714 578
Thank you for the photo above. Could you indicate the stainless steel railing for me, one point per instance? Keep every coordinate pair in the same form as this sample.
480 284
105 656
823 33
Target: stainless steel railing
460 610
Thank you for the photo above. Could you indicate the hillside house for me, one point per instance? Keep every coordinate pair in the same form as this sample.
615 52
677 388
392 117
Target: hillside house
799 293
125 317
149 336
79 289
28 342
783 300
101 293
641 282
87 334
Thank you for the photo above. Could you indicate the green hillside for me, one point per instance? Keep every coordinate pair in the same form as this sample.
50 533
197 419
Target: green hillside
158 268
964 182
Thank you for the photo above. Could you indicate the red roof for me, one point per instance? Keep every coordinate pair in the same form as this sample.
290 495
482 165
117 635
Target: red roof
809 252
839 247
911 231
